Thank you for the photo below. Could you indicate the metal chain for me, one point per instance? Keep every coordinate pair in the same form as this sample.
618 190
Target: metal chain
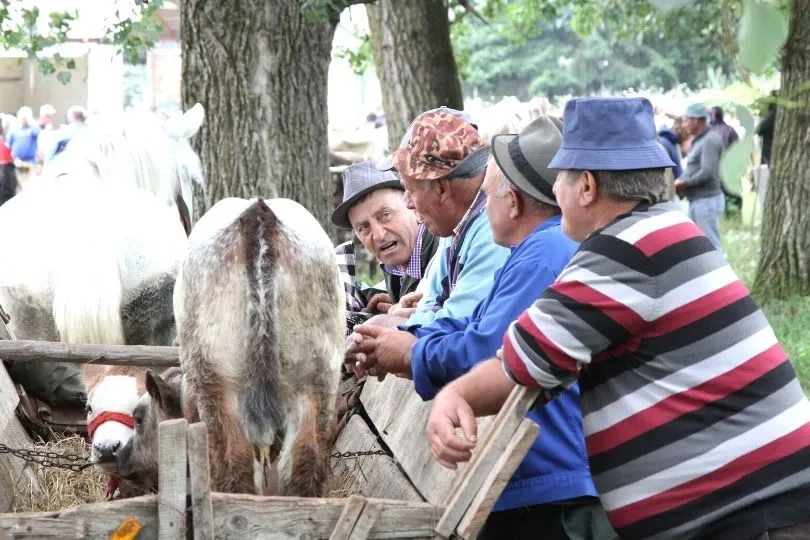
342 455
71 462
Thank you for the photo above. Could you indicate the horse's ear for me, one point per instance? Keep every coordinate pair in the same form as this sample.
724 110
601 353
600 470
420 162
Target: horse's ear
166 397
187 124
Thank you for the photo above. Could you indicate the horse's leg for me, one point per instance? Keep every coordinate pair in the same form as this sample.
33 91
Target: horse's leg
310 455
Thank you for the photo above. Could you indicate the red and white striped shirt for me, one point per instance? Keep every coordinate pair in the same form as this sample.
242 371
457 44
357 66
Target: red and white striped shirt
695 422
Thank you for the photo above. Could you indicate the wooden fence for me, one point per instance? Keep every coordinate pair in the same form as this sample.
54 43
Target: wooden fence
405 496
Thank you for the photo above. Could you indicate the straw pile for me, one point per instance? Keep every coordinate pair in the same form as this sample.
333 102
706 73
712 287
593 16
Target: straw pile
61 488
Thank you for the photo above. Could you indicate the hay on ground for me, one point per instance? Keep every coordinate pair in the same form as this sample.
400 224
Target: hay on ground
61 488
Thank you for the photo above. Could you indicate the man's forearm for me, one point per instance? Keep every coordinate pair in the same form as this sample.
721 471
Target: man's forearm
485 387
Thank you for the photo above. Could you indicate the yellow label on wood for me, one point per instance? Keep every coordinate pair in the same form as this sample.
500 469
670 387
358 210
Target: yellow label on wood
128 530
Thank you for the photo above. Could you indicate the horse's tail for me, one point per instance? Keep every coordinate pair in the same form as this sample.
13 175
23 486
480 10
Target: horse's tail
260 410
87 292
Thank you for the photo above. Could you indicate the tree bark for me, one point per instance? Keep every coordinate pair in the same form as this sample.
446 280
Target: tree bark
414 60
260 69
784 264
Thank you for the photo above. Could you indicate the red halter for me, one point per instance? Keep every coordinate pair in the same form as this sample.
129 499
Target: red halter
109 416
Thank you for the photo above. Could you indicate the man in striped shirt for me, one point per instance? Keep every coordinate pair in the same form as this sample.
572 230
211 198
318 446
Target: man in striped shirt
695 423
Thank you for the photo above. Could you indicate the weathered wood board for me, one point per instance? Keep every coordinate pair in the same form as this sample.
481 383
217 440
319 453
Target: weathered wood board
99 520
371 476
400 416
13 435
237 517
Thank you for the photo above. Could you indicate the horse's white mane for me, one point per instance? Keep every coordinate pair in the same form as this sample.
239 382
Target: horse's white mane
137 149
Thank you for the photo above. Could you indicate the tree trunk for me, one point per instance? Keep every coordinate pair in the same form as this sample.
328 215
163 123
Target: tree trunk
414 60
260 70
784 264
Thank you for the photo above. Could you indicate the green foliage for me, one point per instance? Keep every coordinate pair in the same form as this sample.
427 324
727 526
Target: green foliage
23 29
359 57
497 59
763 30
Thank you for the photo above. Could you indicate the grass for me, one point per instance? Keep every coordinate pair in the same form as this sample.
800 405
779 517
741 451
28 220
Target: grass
789 318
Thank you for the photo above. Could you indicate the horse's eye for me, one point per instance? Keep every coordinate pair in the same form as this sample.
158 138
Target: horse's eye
88 408
138 420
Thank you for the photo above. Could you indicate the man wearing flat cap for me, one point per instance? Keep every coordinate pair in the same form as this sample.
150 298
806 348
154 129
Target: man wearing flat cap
695 423
441 163
552 493
374 209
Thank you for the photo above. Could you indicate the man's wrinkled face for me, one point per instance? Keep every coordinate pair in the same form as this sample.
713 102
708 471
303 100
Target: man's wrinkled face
498 207
385 226
424 197
568 189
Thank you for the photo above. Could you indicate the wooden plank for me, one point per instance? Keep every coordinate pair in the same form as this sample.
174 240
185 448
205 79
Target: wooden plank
200 482
348 518
14 472
243 516
505 425
362 529
499 476
172 479
110 355
400 416
98 520
373 476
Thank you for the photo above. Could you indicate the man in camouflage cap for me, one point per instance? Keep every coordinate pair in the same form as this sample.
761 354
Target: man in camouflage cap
441 163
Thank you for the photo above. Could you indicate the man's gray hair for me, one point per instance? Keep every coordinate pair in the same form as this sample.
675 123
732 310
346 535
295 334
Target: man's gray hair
640 185
504 185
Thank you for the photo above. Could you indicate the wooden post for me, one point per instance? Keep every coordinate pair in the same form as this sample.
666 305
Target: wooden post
487 453
200 479
14 472
172 479
357 519
110 355
499 476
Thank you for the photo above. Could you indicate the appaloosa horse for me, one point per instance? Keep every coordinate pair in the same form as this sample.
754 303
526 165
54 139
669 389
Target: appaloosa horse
259 309
92 250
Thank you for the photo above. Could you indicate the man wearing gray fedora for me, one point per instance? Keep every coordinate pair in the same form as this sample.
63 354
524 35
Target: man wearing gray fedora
374 209
551 495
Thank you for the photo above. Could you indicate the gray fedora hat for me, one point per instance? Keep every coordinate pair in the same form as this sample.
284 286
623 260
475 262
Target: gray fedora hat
524 157
358 180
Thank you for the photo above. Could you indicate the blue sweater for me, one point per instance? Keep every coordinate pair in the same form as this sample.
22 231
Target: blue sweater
556 467
23 143
480 258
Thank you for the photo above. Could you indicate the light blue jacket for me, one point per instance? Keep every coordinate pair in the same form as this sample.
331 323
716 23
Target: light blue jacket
480 258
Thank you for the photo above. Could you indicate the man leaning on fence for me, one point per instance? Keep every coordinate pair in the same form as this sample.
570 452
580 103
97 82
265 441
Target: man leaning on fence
374 209
695 423
441 162
551 495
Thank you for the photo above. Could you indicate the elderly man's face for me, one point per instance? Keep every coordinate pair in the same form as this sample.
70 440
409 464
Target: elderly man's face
385 226
574 195
499 209
424 197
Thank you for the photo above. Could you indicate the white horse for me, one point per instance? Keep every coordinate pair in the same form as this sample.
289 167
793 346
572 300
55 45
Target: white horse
92 248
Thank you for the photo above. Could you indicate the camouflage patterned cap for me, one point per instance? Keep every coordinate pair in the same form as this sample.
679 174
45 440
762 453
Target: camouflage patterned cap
440 143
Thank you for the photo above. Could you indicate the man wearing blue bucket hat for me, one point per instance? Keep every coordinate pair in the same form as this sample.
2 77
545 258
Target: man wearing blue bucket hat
695 423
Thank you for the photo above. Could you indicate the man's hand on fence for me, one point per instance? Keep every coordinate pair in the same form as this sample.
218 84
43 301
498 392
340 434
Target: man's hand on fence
381 351
449 412
380 303
406 305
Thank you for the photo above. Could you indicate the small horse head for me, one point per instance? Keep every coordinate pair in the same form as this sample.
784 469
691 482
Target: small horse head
110 404
138 459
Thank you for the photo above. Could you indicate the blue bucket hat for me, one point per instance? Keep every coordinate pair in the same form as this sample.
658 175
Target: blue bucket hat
609 134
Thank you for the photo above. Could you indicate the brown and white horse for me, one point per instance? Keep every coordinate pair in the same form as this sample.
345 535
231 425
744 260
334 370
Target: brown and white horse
259 310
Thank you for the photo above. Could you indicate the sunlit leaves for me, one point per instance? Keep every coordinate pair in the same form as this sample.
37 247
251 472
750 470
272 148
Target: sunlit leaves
735 163
666 5
746 118
763 30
